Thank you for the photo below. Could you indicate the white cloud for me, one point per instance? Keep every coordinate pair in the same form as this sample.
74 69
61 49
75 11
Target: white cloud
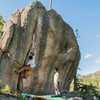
87 56
97 60
97 35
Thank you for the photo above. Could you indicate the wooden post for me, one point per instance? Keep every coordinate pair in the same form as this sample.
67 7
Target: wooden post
50 4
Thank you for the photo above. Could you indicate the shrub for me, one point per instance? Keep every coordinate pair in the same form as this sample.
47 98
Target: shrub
1 25
84 88
6 89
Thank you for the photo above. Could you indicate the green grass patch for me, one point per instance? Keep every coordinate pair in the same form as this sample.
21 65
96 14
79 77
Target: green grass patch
56 98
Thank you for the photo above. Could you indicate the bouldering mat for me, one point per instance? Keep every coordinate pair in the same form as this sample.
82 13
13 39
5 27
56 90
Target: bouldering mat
56 98
45 97
58 95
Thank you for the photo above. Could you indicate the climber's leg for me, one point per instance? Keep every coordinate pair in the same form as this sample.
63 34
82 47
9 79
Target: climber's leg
27 74
25 68
56 86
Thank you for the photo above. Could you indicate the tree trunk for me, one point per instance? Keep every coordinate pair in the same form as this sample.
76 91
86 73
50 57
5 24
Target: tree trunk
75 82
20 83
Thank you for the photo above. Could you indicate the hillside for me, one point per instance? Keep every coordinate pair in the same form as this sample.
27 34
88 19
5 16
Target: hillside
93 78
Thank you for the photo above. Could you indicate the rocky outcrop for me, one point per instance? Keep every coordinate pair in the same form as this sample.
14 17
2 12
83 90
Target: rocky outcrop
55 44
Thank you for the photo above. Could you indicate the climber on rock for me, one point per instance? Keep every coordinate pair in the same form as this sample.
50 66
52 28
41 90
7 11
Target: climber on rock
29 66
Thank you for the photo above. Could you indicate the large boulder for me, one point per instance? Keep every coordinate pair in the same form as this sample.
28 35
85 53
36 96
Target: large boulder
55 44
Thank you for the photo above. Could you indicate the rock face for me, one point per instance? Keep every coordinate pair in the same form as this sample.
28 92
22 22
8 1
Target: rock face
55 44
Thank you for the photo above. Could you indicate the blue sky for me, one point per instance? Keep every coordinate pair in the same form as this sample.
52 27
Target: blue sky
83 15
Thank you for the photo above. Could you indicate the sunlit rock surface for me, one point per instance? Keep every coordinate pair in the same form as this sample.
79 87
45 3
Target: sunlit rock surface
55 45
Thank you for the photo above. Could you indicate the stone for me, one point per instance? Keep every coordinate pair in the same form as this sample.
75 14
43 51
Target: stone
95 98
73 94
75 98
87 96
45 31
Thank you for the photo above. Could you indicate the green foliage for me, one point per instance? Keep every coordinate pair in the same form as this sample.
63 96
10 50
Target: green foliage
84 88
6 89
77 34
18 95
92 79
1 25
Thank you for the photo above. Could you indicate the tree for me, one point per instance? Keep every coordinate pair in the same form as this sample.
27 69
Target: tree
84 88
1 25
75 77
75 80
77 34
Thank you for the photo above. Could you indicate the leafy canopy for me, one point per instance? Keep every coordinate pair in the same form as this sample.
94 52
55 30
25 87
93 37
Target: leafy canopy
1 25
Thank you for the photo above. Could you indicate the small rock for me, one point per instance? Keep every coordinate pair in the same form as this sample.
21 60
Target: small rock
73 94
75 98
87 96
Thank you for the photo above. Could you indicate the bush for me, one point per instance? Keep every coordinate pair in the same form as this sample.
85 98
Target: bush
18 95
84 88
1 25
6 89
